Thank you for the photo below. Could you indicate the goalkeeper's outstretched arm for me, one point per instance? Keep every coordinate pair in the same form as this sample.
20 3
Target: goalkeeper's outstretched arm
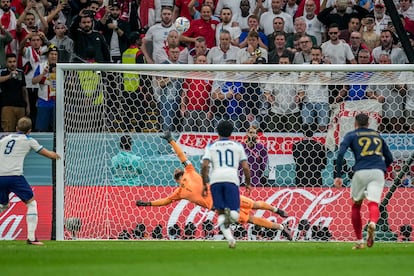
180 153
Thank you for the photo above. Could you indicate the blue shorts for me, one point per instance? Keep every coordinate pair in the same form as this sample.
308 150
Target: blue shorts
225 195
17 185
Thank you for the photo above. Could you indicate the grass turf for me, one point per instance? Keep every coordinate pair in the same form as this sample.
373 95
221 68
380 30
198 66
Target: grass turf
204 258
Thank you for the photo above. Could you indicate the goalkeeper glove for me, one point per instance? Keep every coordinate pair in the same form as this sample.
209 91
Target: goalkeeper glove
167 136
143 203
281 213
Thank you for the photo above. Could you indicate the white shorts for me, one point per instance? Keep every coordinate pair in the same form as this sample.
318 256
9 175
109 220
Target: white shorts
367 184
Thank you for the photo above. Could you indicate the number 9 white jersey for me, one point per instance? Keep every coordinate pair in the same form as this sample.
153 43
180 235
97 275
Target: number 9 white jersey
13 150
225 156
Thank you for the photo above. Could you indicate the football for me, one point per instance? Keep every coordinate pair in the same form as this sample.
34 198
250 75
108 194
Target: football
182 24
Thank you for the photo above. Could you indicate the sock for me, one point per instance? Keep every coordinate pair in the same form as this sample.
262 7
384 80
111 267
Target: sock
234 216
31 220
220 220
264 206
227 233
373 211
356 220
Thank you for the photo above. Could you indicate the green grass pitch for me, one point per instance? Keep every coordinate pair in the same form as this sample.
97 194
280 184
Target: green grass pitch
199 258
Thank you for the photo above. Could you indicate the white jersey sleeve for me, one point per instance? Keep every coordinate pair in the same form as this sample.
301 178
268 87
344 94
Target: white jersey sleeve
13 150
225 157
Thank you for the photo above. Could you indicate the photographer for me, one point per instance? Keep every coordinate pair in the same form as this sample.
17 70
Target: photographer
115 31
89 45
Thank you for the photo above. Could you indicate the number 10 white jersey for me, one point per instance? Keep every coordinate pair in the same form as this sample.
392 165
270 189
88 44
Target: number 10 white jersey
225 156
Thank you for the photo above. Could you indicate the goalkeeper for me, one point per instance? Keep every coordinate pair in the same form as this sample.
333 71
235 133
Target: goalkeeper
191 188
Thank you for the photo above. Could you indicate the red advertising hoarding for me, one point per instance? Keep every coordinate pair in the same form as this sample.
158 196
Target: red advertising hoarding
106 211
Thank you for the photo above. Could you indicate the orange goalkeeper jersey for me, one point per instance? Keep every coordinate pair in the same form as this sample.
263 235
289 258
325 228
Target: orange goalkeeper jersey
191 188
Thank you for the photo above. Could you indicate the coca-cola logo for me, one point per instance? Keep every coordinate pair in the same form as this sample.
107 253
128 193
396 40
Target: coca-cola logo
313 209
10 223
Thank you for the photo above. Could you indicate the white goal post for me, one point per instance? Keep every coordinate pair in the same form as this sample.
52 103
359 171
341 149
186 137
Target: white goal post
94 114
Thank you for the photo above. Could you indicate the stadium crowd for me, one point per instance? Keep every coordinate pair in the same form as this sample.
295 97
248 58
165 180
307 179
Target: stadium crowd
35 35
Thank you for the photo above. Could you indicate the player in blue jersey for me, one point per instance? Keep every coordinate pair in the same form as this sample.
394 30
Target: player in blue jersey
126 166
13 150
224 157
372 157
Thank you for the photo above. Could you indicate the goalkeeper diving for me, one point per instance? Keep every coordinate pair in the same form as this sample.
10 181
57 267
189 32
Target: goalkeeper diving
191 188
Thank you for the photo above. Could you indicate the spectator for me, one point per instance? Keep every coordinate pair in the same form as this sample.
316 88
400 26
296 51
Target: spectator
278 28
8 21
5 38
13 96
266 19
228 103
32 56
310 159
234 5
169 91
63 43
313 25
300 30
357 92
205 27
196 13
315 97
181 8
392 97
244 15
354 25
341 17
89 45
89 11
406 10
45 76
335 50
116 32
409 102
283 114
136 89
161 54
387 46
225 51
357 44
200 49
369 36
157 34
228 24
27 22
252 51
290 7
305 55
280 50
381 18
253 25
195 102
257 158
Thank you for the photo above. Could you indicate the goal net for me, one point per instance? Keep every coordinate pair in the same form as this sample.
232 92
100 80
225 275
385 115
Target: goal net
110 118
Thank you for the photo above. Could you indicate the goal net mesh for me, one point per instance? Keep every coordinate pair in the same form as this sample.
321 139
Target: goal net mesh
105 110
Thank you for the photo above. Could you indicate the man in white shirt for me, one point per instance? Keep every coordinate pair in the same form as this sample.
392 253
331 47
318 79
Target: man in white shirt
157 34
266 19
224 156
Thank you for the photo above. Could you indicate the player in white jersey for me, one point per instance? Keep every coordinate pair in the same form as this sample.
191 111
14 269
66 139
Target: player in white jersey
224 157
13 150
